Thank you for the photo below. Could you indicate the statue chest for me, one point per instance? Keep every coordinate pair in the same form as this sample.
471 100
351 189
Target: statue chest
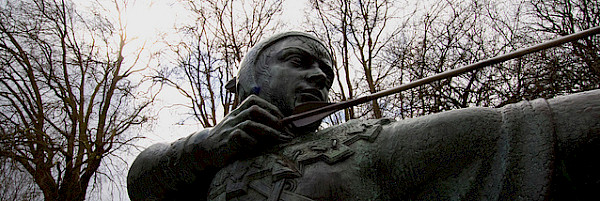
334 163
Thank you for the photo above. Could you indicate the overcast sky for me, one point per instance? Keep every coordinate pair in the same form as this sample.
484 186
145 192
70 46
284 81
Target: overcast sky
149 21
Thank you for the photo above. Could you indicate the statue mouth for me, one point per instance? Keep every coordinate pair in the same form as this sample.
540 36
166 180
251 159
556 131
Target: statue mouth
310 94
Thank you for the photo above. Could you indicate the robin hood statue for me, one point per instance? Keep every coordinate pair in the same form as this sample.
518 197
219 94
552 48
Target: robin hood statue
532 150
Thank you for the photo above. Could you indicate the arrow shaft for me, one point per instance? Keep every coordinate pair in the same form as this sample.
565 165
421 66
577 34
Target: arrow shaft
447 74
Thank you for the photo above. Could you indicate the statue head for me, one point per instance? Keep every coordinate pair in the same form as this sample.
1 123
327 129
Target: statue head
287 69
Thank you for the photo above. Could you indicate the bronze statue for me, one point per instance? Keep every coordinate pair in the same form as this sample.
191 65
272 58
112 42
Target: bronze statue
532 150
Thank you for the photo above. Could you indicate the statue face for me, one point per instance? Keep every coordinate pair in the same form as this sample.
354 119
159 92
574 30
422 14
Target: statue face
299 72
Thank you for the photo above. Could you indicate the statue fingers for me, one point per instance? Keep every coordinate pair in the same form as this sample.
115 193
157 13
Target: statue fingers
263 132
260 115
255 100
240 139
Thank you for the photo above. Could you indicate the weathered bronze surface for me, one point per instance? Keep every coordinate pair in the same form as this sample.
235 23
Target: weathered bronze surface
532 150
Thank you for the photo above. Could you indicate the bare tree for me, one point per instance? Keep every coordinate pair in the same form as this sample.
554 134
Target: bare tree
223 31
449 35
453 34
66 100
16 184
563 17
358 30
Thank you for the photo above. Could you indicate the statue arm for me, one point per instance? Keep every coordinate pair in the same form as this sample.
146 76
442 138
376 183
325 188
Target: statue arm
507 152
577 120
184 169
170 171
413 152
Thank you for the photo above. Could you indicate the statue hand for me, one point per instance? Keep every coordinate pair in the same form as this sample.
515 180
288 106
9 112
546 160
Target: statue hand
252 126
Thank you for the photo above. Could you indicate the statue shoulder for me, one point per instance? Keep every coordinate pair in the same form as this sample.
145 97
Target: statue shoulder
161 168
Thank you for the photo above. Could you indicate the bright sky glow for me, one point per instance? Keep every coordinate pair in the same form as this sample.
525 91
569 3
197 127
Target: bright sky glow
147 17
149 24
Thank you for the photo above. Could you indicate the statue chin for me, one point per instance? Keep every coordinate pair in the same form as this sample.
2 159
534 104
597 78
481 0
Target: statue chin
306 129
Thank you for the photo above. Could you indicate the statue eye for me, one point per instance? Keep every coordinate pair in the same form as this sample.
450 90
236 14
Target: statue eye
296 60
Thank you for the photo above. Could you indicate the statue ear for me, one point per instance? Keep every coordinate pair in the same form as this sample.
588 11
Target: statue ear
231 85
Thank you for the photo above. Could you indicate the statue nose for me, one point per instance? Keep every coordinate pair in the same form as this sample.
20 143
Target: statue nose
317 76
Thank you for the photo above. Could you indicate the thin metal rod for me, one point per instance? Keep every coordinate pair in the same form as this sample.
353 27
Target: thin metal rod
450 73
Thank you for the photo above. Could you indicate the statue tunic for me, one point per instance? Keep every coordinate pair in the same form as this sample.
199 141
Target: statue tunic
532 150
506 153
326 165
